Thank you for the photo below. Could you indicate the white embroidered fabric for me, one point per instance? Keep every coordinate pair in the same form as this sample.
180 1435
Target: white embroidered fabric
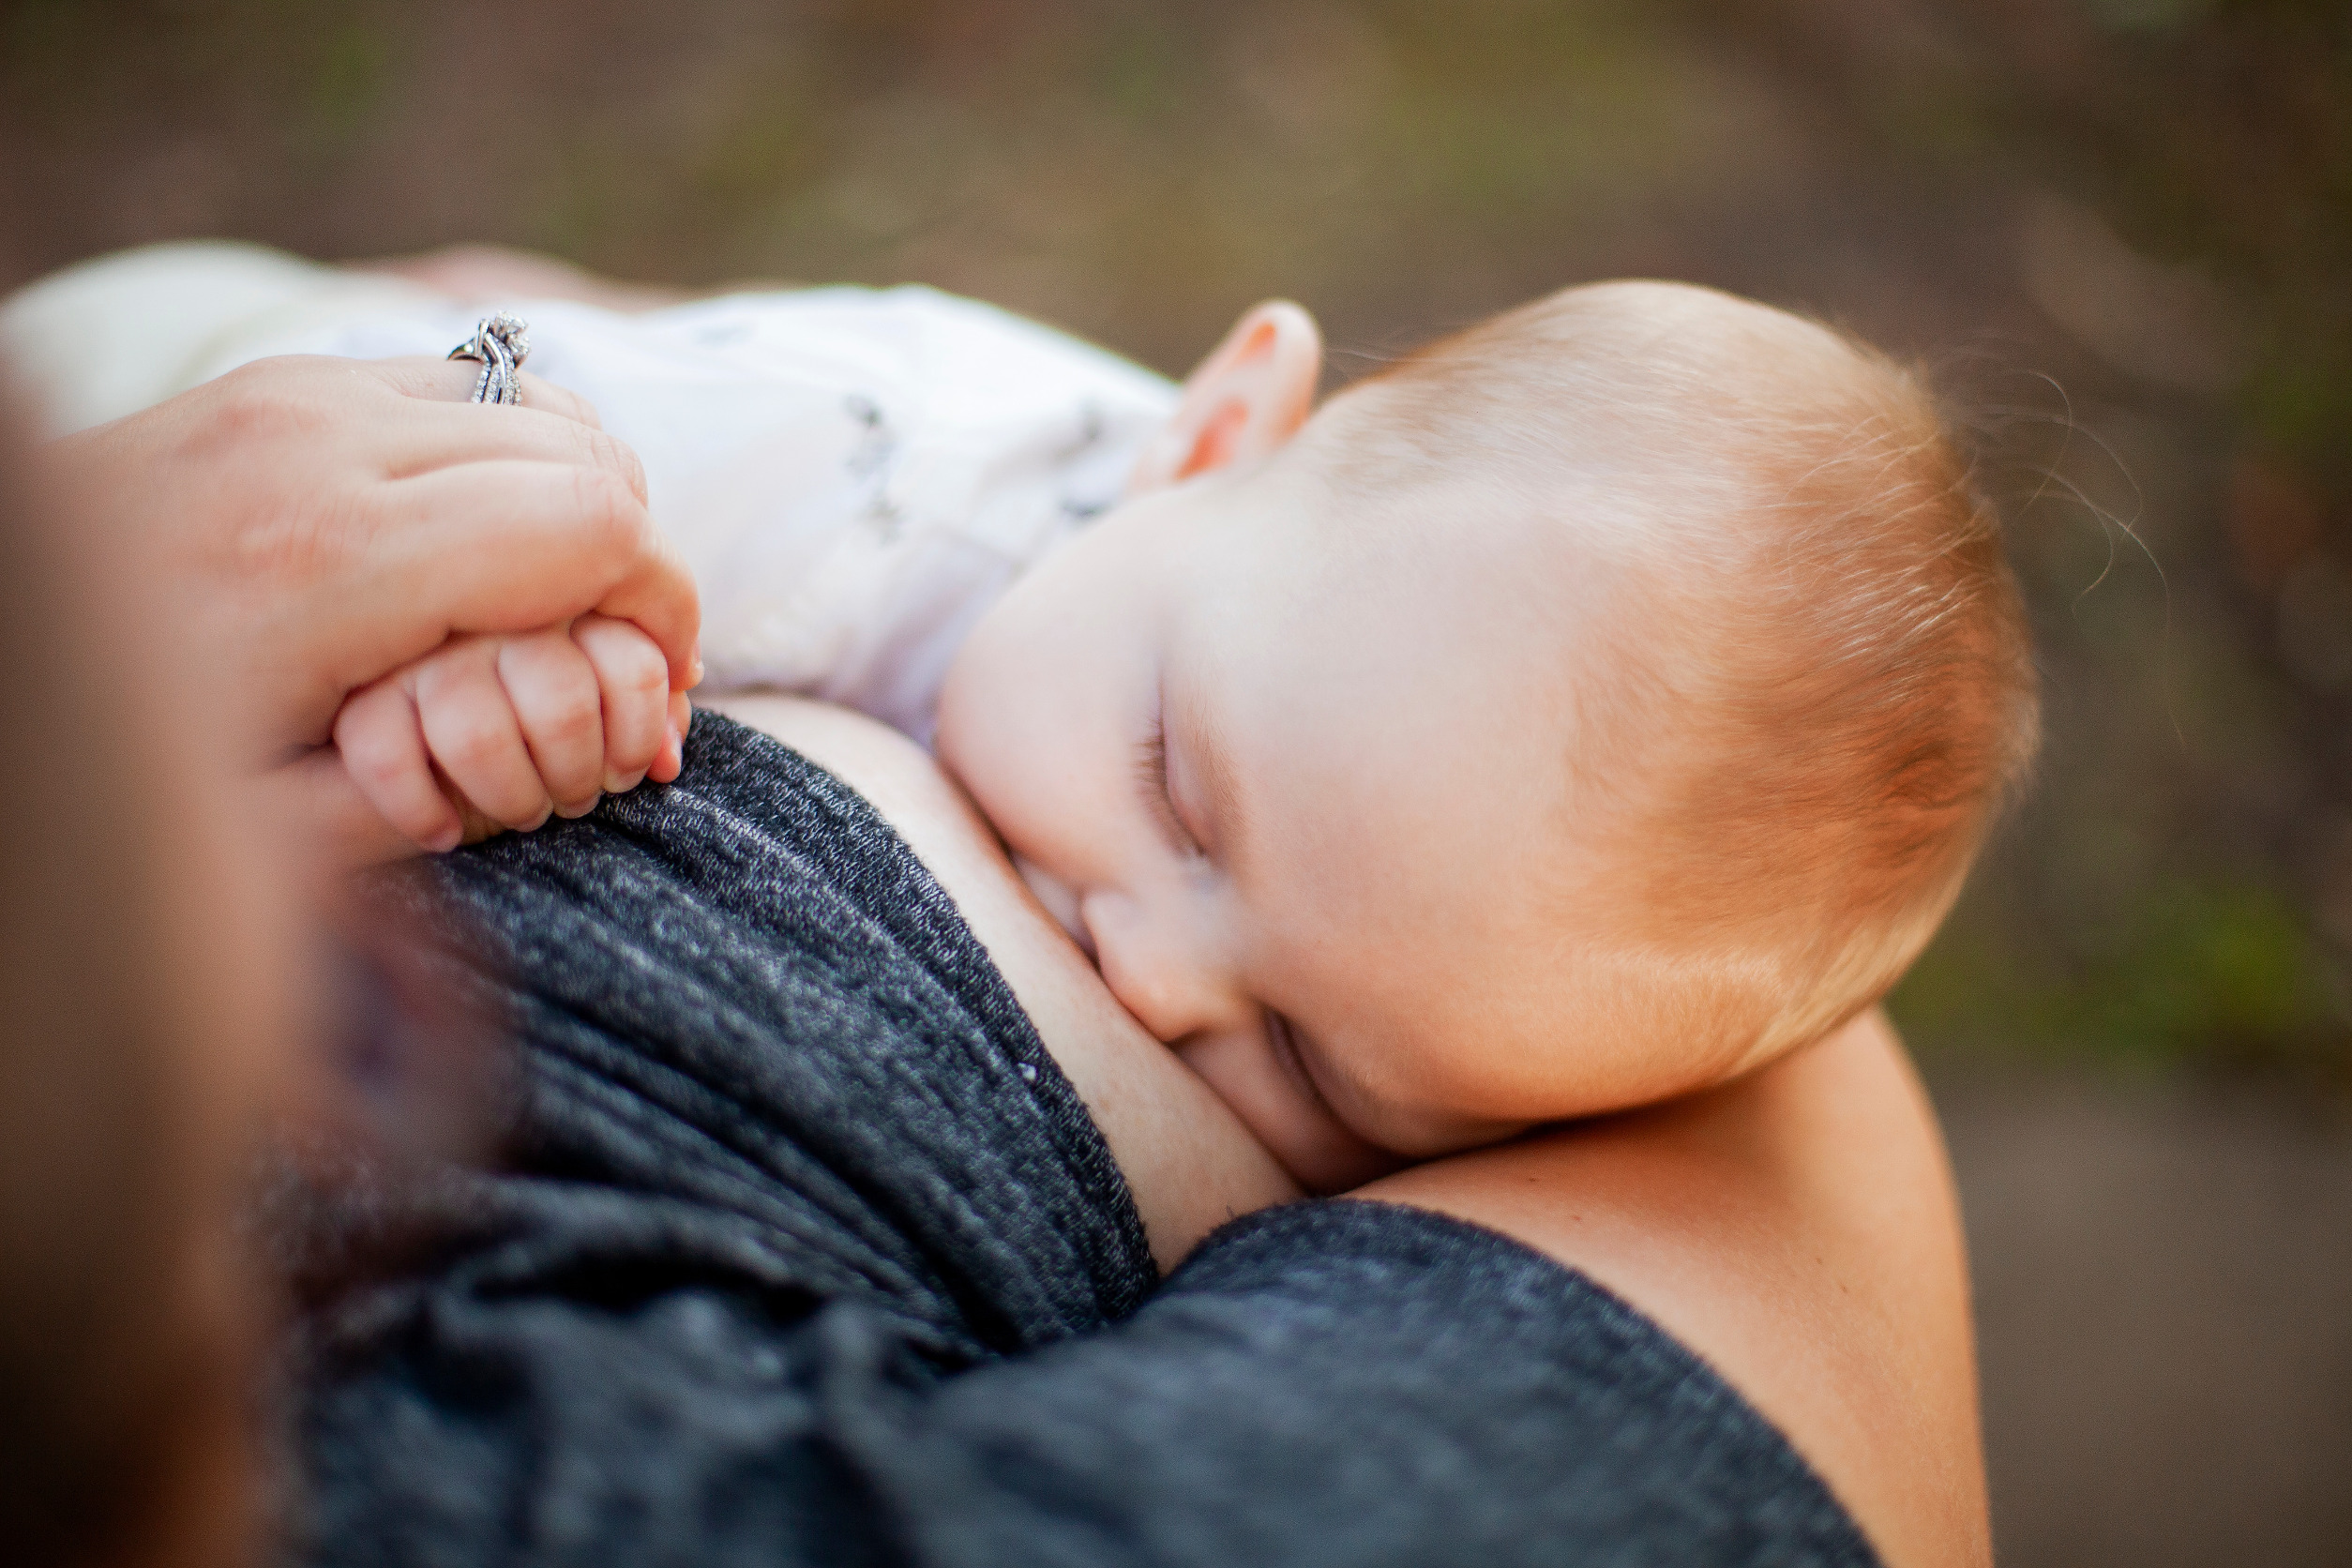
853 475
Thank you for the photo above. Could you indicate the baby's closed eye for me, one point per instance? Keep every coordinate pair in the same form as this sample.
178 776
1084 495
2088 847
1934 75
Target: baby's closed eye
1151 772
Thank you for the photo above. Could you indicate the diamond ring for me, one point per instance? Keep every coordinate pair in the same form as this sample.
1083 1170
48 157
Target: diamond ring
500 343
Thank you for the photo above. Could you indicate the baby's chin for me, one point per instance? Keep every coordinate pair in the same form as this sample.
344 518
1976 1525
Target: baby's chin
1282 1109
1410 1137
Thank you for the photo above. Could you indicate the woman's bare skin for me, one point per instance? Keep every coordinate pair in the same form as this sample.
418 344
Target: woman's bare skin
1798 1227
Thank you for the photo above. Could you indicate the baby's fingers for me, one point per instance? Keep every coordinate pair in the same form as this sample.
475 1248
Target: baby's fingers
681 721
634 680
383 745
471 729
553 688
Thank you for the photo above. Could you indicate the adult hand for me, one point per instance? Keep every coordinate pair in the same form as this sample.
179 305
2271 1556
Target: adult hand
321 523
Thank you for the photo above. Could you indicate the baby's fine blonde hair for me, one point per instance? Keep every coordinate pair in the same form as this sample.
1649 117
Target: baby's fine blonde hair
1815 691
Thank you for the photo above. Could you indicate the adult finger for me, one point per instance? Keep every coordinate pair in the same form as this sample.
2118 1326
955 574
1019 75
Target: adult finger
445 435
451 381
382 745
635 688
554 691
316 799
470 728
512 546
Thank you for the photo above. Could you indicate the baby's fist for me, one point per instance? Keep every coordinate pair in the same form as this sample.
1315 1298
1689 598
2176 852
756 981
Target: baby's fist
515 727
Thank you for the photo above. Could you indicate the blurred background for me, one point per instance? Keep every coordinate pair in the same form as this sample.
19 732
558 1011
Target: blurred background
2119 231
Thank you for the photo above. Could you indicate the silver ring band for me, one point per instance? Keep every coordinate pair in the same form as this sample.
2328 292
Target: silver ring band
500 342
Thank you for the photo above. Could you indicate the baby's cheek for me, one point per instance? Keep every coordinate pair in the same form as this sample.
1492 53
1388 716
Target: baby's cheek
1030 773
973 747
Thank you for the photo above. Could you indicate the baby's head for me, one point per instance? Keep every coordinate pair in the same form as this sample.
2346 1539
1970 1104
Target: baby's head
1591 707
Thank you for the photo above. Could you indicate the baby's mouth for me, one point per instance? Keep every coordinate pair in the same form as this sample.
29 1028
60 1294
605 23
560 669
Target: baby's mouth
1059 901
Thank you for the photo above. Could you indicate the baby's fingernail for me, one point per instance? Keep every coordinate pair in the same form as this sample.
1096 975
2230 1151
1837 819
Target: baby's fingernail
621 783
694 672
447 839
573 810
546 810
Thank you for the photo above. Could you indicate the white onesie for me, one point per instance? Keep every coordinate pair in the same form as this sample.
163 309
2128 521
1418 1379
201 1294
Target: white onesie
853 476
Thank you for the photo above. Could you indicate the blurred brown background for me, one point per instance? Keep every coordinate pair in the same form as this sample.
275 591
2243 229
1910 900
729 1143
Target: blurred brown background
2120 231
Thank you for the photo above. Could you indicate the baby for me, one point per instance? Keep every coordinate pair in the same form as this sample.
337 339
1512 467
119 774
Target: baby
1588 708
1595 705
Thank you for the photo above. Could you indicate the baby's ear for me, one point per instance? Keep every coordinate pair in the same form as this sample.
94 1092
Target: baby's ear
1247 398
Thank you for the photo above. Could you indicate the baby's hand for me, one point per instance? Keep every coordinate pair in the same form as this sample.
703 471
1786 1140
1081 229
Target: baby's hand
519 727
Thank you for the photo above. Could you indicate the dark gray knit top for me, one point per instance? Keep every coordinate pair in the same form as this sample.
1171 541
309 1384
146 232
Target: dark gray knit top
803 1252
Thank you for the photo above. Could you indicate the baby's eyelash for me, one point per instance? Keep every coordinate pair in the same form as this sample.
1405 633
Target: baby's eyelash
1151 773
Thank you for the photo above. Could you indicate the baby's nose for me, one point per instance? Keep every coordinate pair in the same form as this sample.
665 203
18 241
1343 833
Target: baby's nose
1162 966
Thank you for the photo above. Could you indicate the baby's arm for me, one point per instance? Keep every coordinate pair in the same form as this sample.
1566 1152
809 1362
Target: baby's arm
516 727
